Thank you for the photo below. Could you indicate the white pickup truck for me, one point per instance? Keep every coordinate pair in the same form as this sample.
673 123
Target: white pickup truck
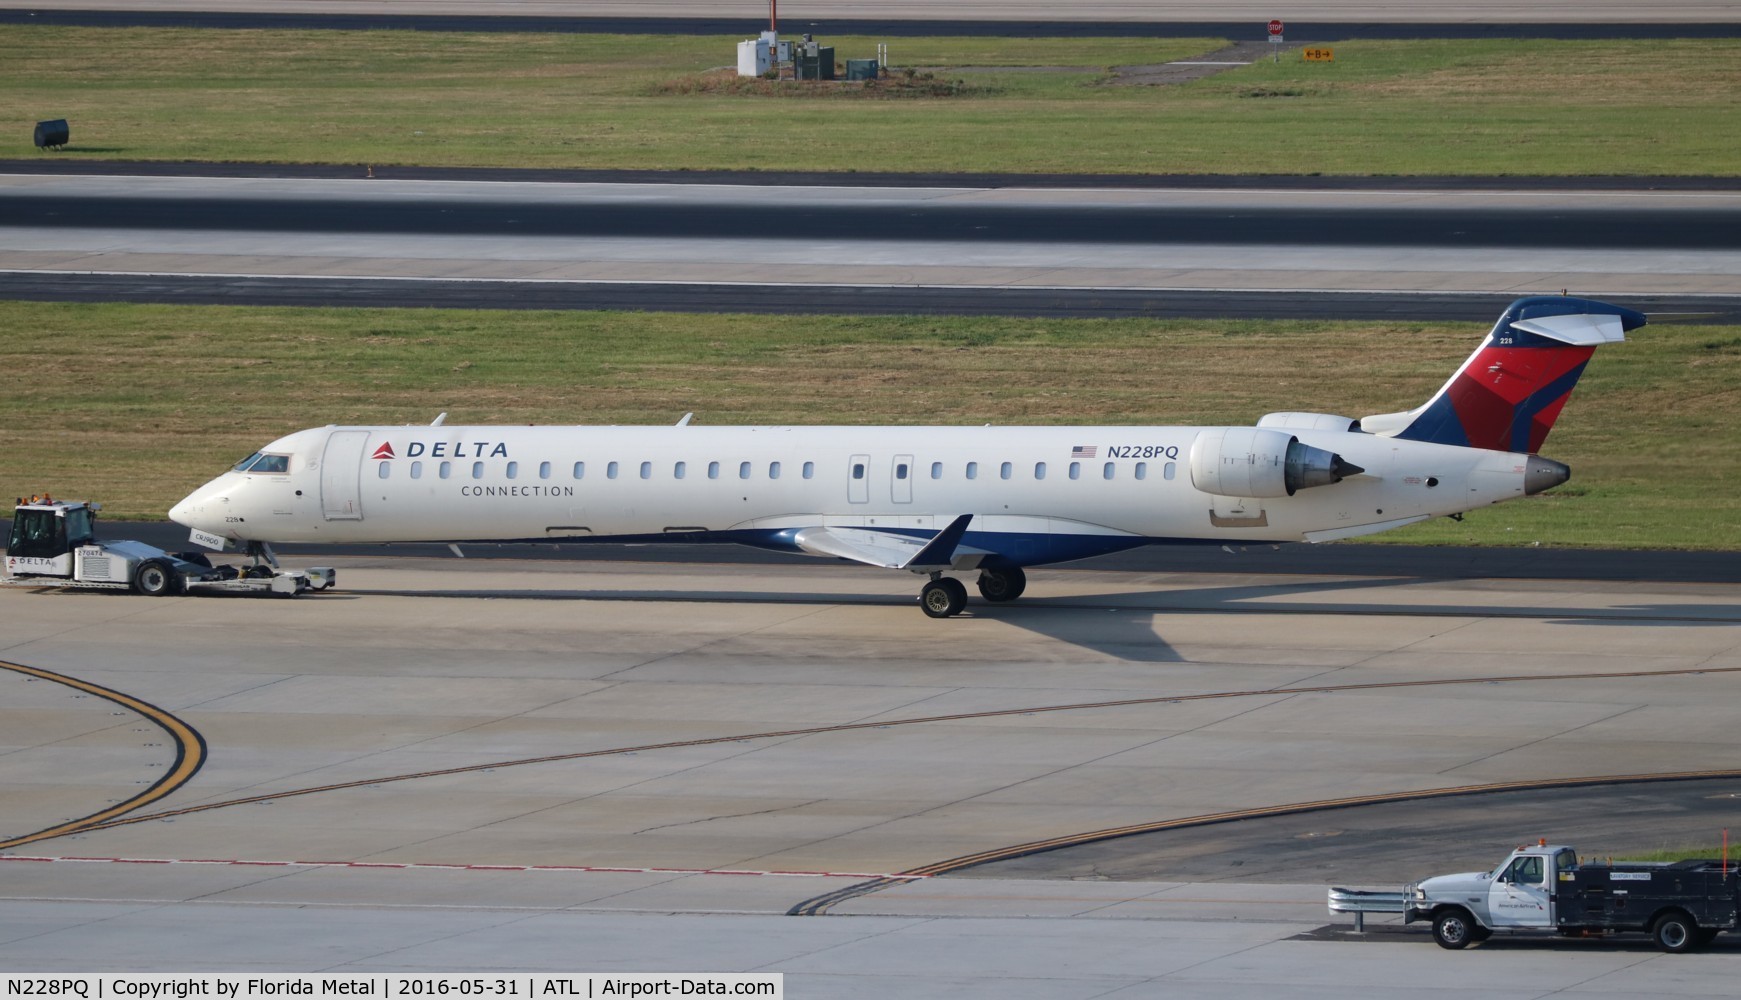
1682 904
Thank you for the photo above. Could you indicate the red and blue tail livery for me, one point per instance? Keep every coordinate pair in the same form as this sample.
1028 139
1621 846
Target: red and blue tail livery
1507 395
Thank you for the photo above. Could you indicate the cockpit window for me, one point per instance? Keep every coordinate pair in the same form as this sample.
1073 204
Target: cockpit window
264 464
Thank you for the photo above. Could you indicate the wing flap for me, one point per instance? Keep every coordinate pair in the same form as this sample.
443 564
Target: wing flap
888 549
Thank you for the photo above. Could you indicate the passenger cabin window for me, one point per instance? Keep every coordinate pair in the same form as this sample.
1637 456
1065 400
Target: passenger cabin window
679 469
1075 470
713 470
973 470
1167 471
1039 470
416 470
445 470
936 470
773 470
809 470
513 470
611 471
580 470
858 470
900 470
1106 472
543 470
743 470
477 470
646 470
1142 470
1005 470
385 469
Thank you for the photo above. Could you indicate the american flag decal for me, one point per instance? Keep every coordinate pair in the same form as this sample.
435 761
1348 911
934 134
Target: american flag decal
1084 451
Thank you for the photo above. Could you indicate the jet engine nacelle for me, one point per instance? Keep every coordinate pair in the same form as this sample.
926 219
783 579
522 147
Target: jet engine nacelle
1261 462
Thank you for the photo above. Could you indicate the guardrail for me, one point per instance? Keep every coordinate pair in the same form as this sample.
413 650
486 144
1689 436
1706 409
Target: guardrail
1361 902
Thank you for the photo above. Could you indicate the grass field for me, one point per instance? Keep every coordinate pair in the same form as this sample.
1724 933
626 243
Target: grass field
547 100
135 405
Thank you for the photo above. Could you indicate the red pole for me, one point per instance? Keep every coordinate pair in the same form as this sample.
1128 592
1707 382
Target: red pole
773 15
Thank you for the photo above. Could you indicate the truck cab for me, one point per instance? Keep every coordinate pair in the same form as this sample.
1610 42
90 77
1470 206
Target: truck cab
1518 893
45 533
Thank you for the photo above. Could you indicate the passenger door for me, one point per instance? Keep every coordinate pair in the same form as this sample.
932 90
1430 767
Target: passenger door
340 471
858 479
901 479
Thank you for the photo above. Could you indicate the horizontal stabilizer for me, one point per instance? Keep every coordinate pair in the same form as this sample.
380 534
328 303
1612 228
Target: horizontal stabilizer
1582 330
888 549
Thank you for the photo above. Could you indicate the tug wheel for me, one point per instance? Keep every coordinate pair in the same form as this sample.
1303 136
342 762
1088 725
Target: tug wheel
155 578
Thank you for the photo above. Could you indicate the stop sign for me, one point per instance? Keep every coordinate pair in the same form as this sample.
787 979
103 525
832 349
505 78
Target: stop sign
1275 27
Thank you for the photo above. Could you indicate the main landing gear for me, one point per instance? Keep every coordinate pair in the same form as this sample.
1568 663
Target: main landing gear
945 596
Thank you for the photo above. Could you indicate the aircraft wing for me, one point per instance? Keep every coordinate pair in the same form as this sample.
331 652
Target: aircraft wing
890 550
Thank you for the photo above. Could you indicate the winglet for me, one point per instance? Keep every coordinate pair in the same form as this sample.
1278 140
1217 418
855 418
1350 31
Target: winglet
939 552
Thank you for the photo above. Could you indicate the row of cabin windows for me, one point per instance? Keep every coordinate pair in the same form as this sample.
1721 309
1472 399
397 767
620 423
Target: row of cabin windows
1007 470
612 470
680 470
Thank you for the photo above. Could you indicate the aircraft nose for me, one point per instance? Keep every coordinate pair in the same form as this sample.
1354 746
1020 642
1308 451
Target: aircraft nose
199 510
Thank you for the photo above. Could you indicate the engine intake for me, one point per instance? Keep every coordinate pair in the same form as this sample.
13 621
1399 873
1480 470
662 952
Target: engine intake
1261 462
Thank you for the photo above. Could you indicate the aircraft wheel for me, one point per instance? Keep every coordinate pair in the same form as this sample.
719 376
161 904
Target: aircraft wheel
1000 585
155 578
943 597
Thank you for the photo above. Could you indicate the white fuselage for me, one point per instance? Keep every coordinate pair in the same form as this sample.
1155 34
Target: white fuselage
1037 494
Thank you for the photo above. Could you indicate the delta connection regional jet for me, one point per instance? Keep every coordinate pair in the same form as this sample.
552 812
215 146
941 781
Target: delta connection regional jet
933 501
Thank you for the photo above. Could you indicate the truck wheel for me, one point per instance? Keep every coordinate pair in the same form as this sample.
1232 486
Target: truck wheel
1454 929
155 578
1675 932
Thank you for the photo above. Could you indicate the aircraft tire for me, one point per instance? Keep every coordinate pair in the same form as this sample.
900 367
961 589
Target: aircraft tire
155 578
943 597
1001 585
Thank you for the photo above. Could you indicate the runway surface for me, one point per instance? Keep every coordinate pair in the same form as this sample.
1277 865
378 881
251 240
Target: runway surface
1307 21
1400 253
535 764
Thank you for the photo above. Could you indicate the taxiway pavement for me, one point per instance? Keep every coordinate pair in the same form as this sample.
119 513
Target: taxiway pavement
676 722
652 244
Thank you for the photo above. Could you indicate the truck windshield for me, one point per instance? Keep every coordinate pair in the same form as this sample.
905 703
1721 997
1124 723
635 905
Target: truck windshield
37 534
